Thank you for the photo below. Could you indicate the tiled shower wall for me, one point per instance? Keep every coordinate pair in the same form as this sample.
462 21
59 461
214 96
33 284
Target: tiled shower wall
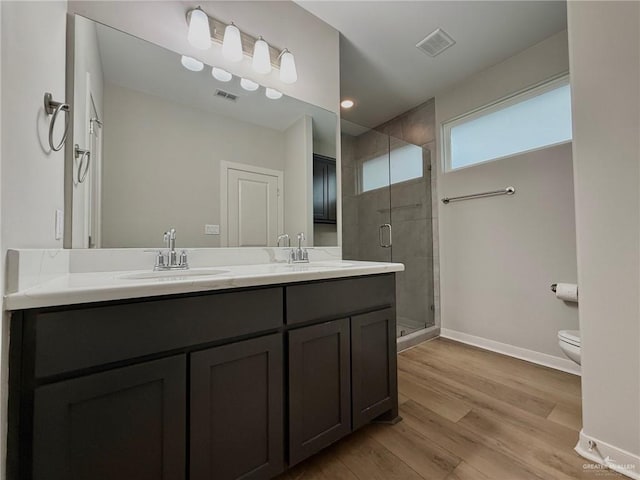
414 212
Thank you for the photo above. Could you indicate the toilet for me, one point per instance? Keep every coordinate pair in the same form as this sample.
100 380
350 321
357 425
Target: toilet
569 341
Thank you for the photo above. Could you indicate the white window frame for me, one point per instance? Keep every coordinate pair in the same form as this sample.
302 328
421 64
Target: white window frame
504 102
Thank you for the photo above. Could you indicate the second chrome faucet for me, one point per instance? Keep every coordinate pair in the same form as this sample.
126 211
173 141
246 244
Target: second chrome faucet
296 255
170 259
300 254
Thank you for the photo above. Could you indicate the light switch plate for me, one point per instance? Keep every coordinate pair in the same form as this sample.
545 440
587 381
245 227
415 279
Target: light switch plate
59 224
212 229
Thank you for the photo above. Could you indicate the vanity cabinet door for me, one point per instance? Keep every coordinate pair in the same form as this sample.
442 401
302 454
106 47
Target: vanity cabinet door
124 423
319 387
373 367
237 405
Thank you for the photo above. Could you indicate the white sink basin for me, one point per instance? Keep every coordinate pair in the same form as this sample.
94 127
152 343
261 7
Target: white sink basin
172 274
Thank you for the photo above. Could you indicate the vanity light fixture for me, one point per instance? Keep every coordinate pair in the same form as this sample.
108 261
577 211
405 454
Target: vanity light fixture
199 34
261 62
347 103
272 93
236 44
191 63
232 44
288 72
221 74
249 85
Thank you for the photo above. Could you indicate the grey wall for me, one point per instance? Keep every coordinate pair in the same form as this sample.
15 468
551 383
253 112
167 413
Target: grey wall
498 256
606 109
161 167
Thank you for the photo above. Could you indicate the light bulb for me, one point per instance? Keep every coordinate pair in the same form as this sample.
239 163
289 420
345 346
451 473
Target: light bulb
261 62
199 34
232 44
191 63
249 85
221 74
288 73
273 94
347 103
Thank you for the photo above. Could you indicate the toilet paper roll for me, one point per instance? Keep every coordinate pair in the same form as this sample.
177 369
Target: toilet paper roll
567 292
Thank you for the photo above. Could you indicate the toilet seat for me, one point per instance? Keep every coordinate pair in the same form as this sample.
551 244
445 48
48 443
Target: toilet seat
572 337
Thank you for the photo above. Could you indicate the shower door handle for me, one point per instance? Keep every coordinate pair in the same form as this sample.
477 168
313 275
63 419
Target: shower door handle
381 233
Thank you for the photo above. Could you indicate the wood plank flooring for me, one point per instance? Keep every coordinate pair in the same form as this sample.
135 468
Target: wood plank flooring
468 414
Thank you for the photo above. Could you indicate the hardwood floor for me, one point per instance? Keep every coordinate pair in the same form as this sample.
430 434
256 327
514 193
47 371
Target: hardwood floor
468 414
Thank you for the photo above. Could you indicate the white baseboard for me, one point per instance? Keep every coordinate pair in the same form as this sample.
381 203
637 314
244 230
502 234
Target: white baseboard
544 359
606 455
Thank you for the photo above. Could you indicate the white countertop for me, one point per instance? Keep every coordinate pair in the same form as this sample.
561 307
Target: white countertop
75 288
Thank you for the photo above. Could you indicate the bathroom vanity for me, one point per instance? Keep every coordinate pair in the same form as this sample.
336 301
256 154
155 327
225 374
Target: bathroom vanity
225 383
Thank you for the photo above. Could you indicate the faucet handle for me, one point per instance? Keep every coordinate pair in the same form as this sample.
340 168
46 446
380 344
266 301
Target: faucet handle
183 259
160 263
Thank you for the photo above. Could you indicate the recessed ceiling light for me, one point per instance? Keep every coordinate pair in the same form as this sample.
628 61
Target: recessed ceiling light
347 103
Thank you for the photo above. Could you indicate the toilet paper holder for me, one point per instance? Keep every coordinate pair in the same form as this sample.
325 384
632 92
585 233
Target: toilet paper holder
554 287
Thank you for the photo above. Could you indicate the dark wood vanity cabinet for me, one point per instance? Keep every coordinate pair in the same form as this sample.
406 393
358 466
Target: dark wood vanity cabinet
324 189
319 387
374 384
237 410
127 422
216 385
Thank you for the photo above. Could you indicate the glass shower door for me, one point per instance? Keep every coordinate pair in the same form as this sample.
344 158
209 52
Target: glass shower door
386 216
366 201
410 205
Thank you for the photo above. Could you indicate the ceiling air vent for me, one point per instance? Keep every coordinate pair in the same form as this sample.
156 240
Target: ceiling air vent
226 95
435 43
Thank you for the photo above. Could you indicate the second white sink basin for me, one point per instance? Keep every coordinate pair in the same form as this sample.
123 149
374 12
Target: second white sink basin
172 274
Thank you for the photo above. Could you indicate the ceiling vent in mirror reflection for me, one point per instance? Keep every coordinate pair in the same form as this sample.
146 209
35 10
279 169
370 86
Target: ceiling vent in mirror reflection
226 95
435 43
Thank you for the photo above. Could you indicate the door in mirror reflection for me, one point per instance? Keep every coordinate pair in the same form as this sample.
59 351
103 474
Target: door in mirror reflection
254 207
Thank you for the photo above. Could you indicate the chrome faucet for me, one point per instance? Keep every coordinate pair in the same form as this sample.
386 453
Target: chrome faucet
170 260
284 236
300 254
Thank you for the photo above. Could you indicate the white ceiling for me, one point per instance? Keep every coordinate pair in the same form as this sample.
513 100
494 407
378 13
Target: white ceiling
386 75
139 65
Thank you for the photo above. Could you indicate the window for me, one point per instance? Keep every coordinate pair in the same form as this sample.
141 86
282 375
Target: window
402 164
538 118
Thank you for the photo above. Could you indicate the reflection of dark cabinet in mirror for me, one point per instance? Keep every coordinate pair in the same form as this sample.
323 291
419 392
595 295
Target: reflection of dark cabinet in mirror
225 385
324 189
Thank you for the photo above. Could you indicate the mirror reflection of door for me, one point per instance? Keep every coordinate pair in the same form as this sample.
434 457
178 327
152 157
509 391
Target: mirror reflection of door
252 214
